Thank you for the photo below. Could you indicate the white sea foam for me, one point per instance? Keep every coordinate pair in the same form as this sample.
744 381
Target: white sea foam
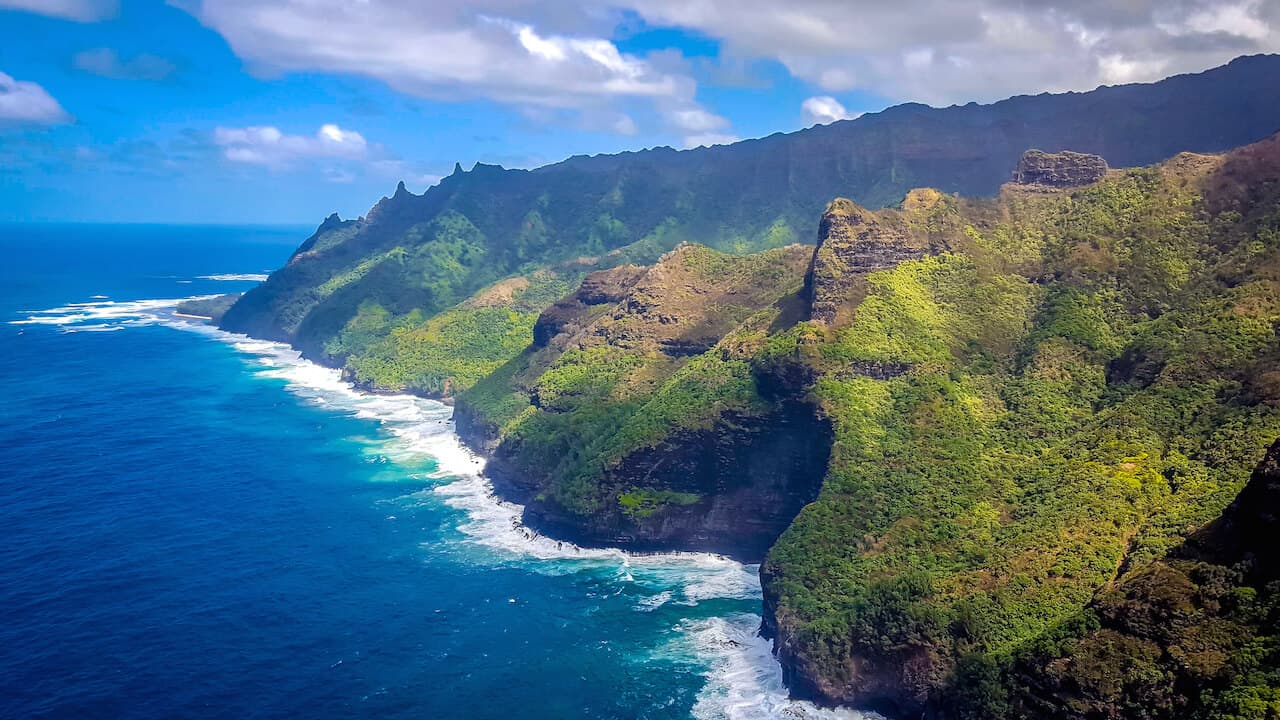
102 327
743 680
106 311
253 277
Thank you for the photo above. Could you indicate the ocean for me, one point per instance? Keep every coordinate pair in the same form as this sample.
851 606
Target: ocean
197 524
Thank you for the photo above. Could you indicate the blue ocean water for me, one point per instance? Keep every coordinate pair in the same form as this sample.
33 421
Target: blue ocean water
196 524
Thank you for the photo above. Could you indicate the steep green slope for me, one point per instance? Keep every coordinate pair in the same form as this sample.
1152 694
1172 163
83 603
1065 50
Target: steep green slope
1195 634
453 349
430 252
634 420
1050 404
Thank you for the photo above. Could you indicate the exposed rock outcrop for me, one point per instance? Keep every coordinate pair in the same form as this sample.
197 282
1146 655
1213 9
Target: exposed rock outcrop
1064 169
852 242
598 289
729 483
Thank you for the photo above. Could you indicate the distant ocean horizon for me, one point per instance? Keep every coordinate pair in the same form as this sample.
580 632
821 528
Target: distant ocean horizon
201 524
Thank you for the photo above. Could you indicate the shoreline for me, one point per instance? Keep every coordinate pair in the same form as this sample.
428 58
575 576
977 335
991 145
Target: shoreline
742 667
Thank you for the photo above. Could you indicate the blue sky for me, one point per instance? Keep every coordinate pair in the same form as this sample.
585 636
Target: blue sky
283 111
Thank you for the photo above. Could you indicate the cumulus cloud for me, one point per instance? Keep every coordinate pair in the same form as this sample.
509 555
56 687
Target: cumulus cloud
26 103
823 109
108 63
699 127
696 120
266 145
553 56
977 49
78 10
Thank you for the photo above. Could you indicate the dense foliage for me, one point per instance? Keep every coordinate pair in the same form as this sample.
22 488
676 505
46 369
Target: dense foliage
657 364
1048 437
451 351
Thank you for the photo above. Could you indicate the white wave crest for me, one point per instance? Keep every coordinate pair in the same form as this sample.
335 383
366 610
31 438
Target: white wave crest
229 277
744 682
135 312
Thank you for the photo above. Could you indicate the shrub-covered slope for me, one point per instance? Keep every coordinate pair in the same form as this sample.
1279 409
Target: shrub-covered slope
1041 407
1195 634
634 420
354 281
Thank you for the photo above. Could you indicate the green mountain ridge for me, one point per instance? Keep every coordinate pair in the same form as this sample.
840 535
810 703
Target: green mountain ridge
430 252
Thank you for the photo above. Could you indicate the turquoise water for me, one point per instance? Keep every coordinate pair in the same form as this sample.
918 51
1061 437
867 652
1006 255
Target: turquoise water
202 525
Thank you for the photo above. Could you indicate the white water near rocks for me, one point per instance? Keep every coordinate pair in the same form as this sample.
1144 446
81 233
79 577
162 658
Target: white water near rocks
743 682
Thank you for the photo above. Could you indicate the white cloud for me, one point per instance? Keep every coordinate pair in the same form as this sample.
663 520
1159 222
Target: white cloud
977 49
267 146
823 109
108 63
412 176
26 103
549 59
696 120
532 55
1239 19
1118 69
624 125
709 139
699 127
78 10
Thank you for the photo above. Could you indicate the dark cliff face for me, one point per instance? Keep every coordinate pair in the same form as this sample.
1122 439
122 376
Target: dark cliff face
751 475
1248 532
853 242
1064 169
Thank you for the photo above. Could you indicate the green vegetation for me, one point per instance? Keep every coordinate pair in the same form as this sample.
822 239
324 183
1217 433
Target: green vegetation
212 308
448 352
1025 424
641 503
658 365
429 252
440 356
1047 439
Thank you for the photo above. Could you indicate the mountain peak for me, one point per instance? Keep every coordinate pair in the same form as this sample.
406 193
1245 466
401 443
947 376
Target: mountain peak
853 241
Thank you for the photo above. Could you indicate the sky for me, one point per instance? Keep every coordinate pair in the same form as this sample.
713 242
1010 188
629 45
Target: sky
283 111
